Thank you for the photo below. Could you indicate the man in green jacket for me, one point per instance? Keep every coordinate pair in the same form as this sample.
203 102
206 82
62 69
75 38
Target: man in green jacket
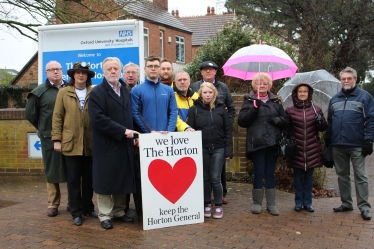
39 110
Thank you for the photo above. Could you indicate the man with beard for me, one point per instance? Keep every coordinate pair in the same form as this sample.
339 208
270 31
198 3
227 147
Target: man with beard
166 72
351 133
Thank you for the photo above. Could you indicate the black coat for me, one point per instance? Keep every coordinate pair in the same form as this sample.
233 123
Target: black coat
112 152
261 133
214 125
39 112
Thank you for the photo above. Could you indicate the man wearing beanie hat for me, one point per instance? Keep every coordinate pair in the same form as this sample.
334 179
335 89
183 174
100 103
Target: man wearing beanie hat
208 70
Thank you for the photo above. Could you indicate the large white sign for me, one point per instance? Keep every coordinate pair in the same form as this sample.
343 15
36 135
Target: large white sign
91 42
172 179
34 146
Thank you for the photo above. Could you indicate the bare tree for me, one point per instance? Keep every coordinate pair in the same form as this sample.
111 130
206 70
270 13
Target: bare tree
24 16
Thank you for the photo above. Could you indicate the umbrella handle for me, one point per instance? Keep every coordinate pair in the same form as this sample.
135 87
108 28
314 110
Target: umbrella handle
254 104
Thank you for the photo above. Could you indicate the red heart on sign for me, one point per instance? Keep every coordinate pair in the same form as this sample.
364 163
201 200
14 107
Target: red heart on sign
172 182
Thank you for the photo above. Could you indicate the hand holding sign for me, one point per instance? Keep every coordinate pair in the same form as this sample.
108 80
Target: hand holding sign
130 133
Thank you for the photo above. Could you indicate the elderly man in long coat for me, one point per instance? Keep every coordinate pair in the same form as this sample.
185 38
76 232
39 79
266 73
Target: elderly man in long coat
39 111
112 144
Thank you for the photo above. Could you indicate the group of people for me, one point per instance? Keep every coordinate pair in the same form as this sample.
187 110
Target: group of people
349 130
89 134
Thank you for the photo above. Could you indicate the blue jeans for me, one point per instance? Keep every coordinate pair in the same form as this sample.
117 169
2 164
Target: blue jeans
264 162
303 184
212 168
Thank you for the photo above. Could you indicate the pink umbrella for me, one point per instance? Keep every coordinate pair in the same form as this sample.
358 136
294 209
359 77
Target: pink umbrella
248 61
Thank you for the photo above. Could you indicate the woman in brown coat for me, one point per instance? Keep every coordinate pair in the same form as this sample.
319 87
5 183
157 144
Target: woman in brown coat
306 121
71 133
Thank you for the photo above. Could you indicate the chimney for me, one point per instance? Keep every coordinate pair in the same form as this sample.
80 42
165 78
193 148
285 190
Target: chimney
172 13
212 11
177 13
161 3
208 11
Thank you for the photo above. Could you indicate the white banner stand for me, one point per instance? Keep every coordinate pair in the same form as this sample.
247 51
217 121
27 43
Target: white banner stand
172 179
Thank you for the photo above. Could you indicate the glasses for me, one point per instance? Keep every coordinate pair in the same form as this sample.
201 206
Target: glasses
153 66
131 72
54 69
347 79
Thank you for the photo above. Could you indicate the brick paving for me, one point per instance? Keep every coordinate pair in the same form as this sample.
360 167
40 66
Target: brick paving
24 224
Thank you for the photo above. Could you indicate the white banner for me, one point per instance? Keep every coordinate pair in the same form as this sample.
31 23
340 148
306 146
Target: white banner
172 179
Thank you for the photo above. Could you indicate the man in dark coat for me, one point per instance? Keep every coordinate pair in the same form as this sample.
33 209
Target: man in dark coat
39 110
351 133
112 144
208 70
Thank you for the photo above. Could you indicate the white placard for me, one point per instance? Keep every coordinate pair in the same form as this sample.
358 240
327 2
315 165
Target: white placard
172 179
34 146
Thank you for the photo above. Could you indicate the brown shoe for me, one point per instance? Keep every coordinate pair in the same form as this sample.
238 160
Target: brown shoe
52 212
225 200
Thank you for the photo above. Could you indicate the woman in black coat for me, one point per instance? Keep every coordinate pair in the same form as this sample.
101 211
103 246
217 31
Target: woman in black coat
306 119
263 116
211 118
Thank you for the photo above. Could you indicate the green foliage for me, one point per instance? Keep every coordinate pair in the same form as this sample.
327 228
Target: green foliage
219 49
369 87
6 77
14 92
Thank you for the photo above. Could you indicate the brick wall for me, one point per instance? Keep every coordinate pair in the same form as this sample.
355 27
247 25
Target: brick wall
13 144
14 148
30 75
169 48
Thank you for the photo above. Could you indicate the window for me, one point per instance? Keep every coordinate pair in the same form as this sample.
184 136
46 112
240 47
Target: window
146 42
161 44
179 48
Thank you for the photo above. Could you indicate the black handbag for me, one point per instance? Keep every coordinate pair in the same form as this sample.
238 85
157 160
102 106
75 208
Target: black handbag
287 147
327 157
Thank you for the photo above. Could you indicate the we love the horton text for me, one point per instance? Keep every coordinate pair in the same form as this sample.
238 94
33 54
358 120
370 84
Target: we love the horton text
171 147
173 215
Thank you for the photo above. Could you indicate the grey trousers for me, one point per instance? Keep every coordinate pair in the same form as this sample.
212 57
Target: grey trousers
111 206
343 155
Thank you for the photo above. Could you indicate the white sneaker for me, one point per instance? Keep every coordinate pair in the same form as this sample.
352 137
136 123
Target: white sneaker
218 214
208 210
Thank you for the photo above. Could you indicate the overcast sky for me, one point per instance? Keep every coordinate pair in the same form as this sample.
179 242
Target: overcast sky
17 50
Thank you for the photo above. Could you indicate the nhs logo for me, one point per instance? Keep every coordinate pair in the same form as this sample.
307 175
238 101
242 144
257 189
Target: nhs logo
123 33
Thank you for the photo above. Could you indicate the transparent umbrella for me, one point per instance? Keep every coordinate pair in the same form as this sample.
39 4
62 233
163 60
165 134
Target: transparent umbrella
324 84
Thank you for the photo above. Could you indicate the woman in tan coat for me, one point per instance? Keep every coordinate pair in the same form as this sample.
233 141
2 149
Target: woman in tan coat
71 134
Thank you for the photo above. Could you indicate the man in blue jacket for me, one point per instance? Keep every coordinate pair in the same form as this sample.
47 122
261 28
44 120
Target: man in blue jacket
351 133
154 107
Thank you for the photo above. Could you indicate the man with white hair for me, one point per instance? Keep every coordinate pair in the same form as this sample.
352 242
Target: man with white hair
112 144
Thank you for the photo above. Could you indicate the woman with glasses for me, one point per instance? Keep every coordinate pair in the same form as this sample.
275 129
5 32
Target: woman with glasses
306 121
71 133
263 115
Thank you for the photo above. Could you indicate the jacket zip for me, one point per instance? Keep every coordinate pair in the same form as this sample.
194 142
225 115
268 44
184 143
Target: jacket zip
155 99
211 117
304 137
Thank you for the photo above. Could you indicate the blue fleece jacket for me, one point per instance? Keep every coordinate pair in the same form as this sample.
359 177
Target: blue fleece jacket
154 107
